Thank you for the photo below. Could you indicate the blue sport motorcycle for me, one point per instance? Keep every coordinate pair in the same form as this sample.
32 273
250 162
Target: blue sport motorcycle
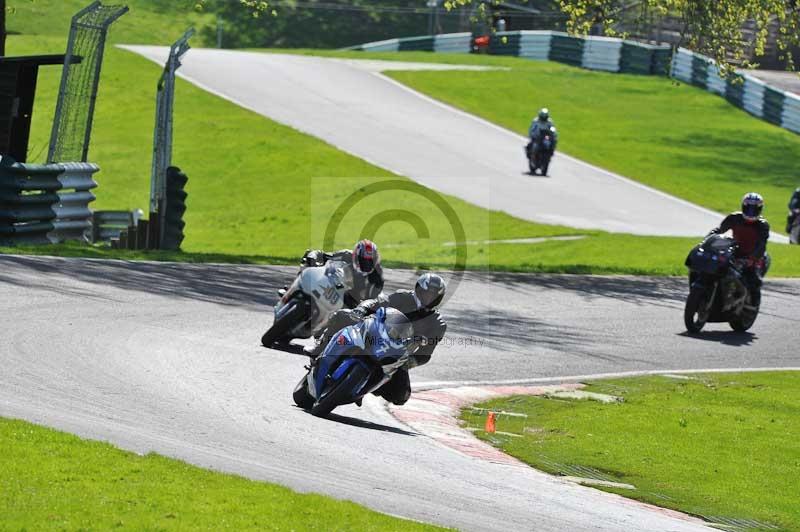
358 360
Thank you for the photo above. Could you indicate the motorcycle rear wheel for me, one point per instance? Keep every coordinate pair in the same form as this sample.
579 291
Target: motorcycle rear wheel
692 315
282 326
338 394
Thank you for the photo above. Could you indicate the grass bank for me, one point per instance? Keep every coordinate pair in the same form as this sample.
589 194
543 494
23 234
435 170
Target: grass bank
263 192
722 445
54 481
674 137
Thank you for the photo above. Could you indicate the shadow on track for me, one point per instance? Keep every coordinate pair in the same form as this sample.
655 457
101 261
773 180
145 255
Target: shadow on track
224 284
663 291
363 424
731 338
235 284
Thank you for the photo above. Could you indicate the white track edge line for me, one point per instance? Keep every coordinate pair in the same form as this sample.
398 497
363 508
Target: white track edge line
434 385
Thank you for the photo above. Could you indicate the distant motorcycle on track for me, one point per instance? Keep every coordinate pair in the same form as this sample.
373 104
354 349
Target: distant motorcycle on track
306 306
540 152
718 291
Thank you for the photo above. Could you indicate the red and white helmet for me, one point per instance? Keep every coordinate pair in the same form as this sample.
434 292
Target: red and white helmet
366 257
752 205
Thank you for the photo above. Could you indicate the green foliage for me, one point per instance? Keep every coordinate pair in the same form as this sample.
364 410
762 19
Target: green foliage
714 445
54 481
250 24
712 27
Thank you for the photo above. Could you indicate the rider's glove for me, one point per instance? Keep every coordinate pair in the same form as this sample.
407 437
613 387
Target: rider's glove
358 313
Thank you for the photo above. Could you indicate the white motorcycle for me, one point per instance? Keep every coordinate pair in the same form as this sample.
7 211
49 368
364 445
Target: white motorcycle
307 305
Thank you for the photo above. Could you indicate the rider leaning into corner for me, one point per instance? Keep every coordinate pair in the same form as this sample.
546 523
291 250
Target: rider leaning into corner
539 124
420 307
365 263
794 204
751 232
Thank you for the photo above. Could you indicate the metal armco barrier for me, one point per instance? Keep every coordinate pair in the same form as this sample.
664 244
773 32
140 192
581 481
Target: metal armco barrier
593 53
45 203
107 225
452 42
742 90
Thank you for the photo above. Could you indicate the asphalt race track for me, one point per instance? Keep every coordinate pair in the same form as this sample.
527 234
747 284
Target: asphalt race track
166 357
351 105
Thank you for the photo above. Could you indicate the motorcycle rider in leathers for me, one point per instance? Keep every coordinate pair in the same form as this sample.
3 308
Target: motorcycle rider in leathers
540 124
751 232
365 262
419 306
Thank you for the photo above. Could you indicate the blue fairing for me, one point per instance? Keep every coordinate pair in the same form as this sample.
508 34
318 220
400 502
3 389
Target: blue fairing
365 343
345 342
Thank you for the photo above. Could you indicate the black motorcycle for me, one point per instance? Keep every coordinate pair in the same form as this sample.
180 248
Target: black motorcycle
718 292
541 151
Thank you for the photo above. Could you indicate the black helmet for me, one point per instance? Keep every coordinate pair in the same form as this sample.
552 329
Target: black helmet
544 114
430 289
752 205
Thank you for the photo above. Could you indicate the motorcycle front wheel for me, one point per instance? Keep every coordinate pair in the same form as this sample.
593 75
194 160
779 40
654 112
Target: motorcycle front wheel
281 327
340 393
301 396
695 314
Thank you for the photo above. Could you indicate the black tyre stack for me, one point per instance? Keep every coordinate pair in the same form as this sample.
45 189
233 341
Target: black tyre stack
174 209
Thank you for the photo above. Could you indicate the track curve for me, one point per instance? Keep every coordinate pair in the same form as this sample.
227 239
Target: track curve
351 105
165 357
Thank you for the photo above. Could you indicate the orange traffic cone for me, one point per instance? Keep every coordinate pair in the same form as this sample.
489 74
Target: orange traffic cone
490 419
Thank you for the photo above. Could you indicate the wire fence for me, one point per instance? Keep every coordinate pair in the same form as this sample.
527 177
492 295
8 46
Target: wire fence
72 125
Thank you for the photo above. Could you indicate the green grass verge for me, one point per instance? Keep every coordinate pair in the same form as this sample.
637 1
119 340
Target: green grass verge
716 445
147 22
55 481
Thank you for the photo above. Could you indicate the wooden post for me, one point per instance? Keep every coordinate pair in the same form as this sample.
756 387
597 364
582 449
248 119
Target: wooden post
153 231
141 235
